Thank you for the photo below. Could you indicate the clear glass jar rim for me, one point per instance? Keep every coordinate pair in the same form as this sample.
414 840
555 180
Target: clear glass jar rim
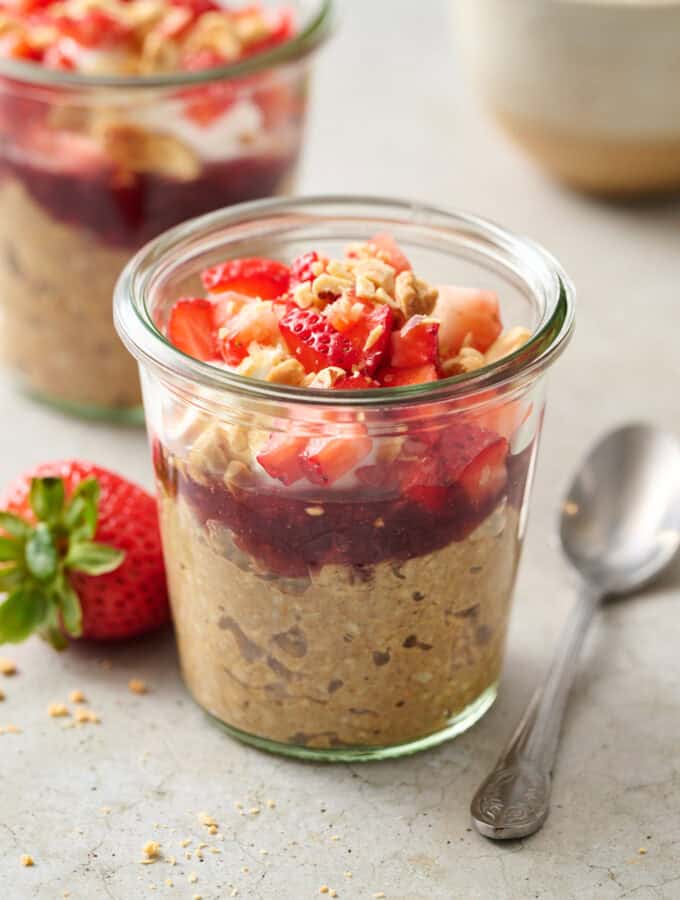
313 31
147 343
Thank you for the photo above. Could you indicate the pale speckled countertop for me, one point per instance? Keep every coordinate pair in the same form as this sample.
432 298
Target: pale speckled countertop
391 115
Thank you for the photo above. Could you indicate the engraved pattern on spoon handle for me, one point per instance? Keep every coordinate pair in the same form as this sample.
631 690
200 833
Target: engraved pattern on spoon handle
514 800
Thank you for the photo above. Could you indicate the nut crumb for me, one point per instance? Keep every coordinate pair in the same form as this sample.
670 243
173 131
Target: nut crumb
335 837
172 860
642 851
77 697
187 854
245 870
57 710
324 889
169 882
238 805
7 666
85 716
185 842
137 686
192 877
9 729
347 874
27 860
271 804
379 896
315 510
332 893
151 849
254 811
207 820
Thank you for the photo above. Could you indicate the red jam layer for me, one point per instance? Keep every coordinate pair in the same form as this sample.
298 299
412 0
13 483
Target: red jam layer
363 529
128 215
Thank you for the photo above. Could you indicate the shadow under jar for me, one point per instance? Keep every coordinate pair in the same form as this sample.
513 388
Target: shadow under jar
93 167
365 618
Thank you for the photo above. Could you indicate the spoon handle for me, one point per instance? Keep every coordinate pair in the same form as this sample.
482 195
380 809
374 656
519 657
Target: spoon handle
514 800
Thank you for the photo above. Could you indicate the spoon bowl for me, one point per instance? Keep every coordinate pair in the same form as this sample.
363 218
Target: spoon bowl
620 520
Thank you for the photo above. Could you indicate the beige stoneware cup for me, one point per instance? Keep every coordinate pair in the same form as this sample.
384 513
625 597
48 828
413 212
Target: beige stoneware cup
589 88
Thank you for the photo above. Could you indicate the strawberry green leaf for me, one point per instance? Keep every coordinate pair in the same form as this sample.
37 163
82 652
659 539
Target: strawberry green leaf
71 612
14 525
51 631
47 498
21 613
11 577
10 550
93 558
41 554
81 514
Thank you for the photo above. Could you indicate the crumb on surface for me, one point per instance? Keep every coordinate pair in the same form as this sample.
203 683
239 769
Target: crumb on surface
77 696
379 895
271 804
324 889
245 870
85 716
347 874
192 877
137 686
206 819
169 882
10 729
254 810
185 842
7 666
58 710
171 860
642 851
27 860
151 849
332 893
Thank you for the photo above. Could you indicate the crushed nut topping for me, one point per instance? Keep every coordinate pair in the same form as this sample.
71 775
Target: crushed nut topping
151 849
57 710
27 860
77 697
414 296
7 667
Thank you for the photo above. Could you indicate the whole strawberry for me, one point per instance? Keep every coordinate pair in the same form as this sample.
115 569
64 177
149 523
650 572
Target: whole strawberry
80 556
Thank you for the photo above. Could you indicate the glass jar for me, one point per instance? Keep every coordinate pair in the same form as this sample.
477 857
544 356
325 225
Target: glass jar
367 618
93 167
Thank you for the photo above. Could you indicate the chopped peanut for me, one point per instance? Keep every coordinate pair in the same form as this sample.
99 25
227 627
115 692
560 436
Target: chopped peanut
137 686
7 666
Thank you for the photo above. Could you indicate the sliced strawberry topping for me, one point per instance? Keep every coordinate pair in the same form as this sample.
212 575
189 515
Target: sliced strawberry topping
356 382
95 28
466 313
281 457
311 338
392 377
255 277
191 328
416 344
392 251
370 336
476 459
281 28
301 268
327 459
254 321
422 483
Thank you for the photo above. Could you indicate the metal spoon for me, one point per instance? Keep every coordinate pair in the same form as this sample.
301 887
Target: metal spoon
620 526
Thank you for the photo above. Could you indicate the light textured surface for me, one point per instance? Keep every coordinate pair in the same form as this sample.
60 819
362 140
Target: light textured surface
391 116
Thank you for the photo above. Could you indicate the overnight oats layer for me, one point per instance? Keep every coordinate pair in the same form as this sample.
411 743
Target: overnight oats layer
119 120
341 576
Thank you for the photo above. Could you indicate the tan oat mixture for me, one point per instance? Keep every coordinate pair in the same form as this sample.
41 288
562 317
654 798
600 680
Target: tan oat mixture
343 661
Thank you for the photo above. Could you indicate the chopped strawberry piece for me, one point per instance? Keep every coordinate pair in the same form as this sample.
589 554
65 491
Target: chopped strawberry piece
196 7
95 28
281 457
314 341
301 268
56 57
281 28
476 459
392 377
254 321
416 344
466 312
392 251
421 482
356 382
191 329
370 336
327 459
256 277
17 47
